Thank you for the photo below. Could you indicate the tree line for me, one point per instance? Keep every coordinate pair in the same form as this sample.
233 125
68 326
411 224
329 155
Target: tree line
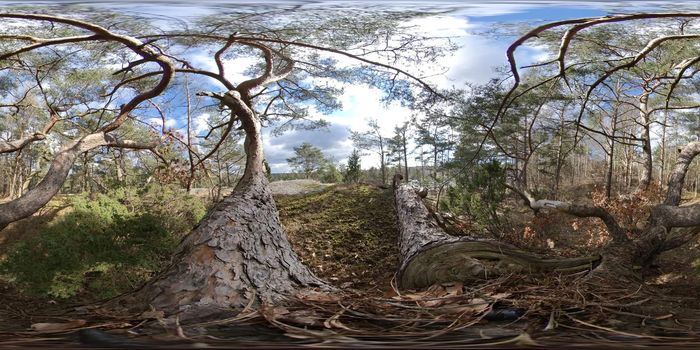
93 103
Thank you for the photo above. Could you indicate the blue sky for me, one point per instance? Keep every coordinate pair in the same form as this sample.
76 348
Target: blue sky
473 63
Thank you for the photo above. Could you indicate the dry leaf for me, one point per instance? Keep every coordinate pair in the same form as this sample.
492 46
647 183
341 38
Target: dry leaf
152 315
524 339
456 288
312 295
466 309
48 327
334 322
411 296
499 296
302 318
431 303
274 312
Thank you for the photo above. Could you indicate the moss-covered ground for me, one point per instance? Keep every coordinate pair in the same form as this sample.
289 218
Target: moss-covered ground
346 234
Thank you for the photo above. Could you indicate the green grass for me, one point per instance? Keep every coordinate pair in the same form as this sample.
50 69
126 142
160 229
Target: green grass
103 246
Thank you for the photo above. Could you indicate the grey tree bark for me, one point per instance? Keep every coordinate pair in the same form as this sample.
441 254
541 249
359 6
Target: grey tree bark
428 255
647 161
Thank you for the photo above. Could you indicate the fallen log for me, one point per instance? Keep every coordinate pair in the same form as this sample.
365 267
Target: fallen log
428 255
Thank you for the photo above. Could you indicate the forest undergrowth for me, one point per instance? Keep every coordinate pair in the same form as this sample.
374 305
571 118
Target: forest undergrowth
347 235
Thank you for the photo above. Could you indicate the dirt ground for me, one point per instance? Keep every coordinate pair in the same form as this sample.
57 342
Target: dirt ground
347 235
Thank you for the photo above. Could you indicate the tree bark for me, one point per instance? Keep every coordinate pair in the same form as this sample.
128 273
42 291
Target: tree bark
647 162
428 255
237 255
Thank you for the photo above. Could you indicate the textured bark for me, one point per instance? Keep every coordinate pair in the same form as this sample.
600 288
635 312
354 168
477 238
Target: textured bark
428 255
238 254
575 209
679 171
647 162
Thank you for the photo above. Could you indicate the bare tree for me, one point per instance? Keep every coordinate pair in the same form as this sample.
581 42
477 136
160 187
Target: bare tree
663 231
372 140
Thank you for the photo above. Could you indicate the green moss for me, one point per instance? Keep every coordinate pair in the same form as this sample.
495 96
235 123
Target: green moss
346 233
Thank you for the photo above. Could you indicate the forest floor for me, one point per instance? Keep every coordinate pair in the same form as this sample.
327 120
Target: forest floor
347 235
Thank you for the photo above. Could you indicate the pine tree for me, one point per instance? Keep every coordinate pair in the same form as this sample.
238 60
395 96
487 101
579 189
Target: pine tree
352 173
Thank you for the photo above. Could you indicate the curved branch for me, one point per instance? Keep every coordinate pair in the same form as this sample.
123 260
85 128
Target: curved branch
15 145
579 210
268 76
49 42
671 216
38 196
310 46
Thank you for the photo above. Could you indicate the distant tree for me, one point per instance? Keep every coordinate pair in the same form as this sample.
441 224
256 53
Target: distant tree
398 147
353 171
434 131
329 173
372 140
308 159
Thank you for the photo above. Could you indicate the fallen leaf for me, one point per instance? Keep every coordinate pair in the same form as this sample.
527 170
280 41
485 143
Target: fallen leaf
466 309
273 312
334 322
524 339
302 318
312 295
431 303
48 327
152 315
499 296
456 288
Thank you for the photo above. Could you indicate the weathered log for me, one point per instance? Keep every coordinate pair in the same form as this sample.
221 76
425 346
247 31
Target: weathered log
428 255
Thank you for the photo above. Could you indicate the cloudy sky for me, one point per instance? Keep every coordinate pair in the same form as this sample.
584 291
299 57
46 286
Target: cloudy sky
473 62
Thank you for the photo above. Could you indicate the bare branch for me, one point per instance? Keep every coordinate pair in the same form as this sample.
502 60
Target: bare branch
579 210
15 145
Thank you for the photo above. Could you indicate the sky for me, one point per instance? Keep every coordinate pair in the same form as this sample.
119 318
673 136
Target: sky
472 63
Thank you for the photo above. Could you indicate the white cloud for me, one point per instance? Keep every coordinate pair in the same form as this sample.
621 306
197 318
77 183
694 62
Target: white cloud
169 122
201 123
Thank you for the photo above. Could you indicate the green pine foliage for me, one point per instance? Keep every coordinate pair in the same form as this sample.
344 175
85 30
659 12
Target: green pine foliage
353 170
479 194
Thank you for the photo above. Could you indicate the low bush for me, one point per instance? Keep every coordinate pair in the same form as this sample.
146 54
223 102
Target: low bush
105 245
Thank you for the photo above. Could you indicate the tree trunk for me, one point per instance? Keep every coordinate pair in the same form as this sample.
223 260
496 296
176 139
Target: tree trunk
662 160
238 254
428 255
405 153
37 197
611 160
647 165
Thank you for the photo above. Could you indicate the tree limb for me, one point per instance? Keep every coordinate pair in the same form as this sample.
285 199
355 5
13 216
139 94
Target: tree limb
579 210
38 196
15 145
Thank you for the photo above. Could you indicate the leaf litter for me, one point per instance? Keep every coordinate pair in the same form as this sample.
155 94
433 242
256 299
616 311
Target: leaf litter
347 234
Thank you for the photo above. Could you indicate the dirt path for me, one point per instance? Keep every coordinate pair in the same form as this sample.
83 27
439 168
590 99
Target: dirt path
346 234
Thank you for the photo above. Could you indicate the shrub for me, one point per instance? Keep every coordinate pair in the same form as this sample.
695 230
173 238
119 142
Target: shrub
479 194
106 245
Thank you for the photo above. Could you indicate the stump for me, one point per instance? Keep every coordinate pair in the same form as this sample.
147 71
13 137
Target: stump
428 255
